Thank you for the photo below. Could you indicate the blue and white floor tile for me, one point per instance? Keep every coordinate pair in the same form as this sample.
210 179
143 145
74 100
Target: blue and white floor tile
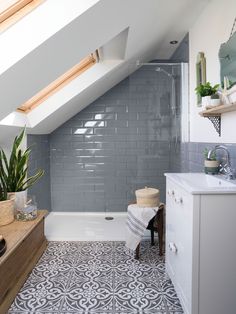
97 278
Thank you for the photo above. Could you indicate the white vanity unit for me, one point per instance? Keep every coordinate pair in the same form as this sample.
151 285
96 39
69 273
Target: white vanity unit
201 241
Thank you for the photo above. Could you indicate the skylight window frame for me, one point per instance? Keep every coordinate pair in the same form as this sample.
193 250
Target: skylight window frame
60 82
17 11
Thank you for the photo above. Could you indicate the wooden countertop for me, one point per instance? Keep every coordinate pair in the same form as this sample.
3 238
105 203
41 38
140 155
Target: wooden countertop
16 232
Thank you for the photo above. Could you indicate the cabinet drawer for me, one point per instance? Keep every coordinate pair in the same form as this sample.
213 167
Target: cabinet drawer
179 228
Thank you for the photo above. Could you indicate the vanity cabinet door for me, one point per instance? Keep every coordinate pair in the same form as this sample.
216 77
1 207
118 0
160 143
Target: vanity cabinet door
179 226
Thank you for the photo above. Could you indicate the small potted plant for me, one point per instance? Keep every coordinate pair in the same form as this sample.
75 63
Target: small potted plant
211 165
6 207
13 172
208 94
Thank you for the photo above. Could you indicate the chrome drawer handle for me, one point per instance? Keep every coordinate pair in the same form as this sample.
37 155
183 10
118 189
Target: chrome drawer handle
173 247
179 200
171 192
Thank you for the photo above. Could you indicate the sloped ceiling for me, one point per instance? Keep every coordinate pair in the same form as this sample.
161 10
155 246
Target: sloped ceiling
148 26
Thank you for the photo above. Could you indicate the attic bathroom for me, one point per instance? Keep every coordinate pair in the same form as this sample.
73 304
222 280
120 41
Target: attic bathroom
117 157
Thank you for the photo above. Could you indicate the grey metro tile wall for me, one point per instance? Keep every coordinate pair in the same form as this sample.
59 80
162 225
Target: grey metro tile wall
192 158
119 143
39 158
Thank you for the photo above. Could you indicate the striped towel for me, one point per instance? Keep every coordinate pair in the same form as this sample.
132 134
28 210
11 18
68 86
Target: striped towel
136 224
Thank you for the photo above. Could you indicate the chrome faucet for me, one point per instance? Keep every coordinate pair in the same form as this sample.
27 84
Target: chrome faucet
224 168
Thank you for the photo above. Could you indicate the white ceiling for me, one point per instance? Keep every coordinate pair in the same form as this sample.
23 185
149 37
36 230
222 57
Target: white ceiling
127 31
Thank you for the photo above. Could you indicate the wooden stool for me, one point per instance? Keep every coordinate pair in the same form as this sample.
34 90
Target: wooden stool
155 224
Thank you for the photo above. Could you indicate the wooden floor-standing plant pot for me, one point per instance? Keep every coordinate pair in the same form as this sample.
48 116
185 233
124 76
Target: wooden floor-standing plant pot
6 212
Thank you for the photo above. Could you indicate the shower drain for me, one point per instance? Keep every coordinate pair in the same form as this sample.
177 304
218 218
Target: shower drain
109 218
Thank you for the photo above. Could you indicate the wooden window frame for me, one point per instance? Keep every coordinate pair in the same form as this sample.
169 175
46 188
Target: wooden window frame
56 85
17 11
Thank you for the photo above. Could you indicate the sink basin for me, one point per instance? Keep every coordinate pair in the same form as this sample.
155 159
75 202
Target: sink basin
217 181
201 183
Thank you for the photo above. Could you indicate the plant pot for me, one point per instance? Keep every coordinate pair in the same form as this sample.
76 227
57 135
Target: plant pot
215 102
6 212
211 166
206 100
20 199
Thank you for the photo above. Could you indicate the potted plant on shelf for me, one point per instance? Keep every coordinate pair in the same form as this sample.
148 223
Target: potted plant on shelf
6 207
209 95
13 172
211 165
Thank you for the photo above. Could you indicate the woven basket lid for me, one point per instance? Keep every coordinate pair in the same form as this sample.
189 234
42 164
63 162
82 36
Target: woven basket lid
147 192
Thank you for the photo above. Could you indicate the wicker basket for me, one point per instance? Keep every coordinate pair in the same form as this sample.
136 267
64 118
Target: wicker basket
6 212
148 197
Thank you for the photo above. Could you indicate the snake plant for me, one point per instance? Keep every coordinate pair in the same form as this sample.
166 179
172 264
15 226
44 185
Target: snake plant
3 193
13 172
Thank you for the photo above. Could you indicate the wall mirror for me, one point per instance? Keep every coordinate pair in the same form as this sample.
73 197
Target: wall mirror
227 57
200 73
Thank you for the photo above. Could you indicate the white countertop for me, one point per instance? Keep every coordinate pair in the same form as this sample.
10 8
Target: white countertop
201 183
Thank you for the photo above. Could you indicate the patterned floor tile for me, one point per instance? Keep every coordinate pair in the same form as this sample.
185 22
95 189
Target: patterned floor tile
97 278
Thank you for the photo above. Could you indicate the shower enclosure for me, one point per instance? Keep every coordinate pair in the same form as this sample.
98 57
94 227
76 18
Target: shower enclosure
158 112
125 140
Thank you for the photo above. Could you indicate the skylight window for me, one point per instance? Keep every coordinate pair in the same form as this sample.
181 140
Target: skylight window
63 80
13 10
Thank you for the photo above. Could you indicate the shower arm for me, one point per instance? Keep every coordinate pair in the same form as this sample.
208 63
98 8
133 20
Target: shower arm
138 63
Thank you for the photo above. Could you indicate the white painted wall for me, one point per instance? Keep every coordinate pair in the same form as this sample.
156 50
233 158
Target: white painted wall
30 35
8 135
42 57
76 28
211 29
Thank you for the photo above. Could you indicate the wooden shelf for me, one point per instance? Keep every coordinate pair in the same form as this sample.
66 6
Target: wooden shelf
214 115
217 111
